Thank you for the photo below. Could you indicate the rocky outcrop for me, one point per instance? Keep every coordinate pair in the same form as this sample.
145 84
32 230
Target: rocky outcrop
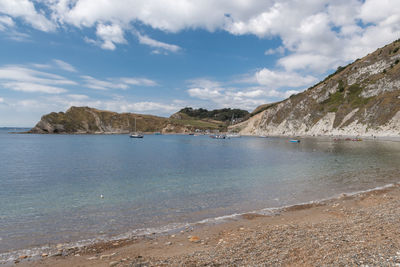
85 120
89 120
362 98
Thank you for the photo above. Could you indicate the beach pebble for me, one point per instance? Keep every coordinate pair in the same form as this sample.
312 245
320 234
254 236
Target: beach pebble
194 239
44 255
102 257
172 235
23 257
168 243
59 246
59 253
113 263
115 244
92 258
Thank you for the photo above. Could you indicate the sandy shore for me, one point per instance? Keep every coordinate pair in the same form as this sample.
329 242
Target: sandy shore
363 229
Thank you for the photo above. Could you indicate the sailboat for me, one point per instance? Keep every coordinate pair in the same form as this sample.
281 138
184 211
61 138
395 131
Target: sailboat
136 134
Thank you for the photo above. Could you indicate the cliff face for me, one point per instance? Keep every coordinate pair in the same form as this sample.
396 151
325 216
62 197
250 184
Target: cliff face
85 120
362 98
90 120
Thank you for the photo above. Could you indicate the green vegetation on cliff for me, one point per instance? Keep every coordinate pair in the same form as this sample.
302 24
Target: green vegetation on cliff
90 120
362 98
225 114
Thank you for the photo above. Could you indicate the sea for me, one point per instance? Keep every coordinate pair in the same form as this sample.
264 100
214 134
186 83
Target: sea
77 189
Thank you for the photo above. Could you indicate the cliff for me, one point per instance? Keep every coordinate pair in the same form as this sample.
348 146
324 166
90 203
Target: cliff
86 120
362 98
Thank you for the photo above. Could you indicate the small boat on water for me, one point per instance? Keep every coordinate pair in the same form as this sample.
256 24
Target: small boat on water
233 135
294 141
218 136
136 134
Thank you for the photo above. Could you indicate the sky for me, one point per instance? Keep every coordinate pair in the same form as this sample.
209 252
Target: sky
158 56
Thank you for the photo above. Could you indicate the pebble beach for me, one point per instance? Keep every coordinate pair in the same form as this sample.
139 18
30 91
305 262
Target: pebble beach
357 230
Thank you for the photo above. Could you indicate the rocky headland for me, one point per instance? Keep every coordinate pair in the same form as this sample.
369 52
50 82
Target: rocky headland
86 120
361 99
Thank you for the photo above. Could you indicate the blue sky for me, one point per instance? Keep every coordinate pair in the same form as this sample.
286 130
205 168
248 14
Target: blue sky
158 56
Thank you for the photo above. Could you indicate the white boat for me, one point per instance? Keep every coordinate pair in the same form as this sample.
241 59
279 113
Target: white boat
233 135
218 136
136 134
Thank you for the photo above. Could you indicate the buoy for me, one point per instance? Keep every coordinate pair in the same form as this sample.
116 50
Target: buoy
101 196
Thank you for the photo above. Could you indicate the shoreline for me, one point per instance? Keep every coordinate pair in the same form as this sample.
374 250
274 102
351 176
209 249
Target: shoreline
174 247
393 138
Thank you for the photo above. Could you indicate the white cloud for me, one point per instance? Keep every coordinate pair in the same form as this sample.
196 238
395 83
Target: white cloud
117 104
110 35
25 10
2 100
218 95
97 84
138 81
64 65
24 79
7 27
204 93
33 88
147 106
14 73
277 79
6 22
116 83
272 51
143 39
325 30
77 97
204 82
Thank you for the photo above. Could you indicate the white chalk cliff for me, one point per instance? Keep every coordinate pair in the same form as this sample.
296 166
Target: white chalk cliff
362 99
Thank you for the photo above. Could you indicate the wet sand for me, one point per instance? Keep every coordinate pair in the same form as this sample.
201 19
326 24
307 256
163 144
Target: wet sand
363 229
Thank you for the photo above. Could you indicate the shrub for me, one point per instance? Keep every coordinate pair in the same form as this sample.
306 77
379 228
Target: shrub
341 86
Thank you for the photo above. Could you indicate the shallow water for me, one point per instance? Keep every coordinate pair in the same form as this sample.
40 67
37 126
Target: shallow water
50 185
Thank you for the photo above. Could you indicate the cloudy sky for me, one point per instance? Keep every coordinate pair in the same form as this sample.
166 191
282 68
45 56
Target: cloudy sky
157 56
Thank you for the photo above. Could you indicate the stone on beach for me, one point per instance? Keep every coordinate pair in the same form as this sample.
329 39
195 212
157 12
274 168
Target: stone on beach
194 239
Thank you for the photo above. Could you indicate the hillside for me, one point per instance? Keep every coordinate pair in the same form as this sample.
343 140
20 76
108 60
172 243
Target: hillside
84 120
362 98
224 115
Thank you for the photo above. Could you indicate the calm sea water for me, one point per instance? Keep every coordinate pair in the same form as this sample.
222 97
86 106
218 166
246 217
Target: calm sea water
50 185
